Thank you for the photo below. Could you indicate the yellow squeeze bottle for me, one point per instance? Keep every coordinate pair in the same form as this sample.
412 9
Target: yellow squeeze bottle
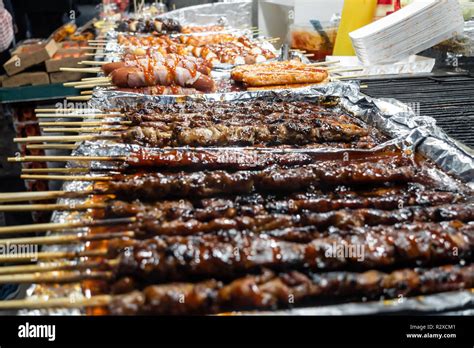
355 14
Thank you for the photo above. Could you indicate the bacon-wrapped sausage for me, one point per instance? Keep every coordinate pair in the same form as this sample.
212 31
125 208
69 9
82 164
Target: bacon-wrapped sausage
131 77
170 60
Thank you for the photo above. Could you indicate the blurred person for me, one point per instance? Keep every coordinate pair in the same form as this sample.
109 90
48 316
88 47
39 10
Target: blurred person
6 34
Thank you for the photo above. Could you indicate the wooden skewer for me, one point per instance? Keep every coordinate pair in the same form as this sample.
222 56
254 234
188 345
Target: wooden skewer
71 116
86 82
92 123
324 63
338 70
96 79
54 226
101 54
83 70
355 76
63 302
54 170
65 177
51 146
58 266
49 115
52 255
95 84
62 139
70 110
54 277
90 48
93 62
80 98
79 115
87 92
50 207
84 130
42 267
11 197
66 158
93 78
66 238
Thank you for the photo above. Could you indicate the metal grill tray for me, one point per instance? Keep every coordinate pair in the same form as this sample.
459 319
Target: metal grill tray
447 98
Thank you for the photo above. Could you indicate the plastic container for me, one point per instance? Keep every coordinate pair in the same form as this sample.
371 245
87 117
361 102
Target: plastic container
319 43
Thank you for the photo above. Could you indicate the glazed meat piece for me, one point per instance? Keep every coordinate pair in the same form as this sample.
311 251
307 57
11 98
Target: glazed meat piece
152 186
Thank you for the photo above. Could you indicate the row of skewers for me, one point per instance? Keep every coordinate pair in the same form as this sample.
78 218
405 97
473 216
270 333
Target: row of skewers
244 218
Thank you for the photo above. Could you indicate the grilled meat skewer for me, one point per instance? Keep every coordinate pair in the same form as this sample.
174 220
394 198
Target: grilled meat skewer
245 159
219 135
153 224
230 253
270 290
153 186
251 205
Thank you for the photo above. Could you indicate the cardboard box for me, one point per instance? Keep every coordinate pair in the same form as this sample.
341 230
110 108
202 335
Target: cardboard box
28 78
65 76
28 55
66 59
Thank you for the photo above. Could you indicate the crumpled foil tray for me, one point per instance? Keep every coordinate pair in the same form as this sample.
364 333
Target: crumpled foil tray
390 116
237 14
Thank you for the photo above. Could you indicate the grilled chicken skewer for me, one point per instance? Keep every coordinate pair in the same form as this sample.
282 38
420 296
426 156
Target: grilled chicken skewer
230 253
302 227
153 186
271 290
266 290
325 174
216 158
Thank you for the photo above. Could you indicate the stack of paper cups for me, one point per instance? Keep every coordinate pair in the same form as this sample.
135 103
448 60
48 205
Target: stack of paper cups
414 28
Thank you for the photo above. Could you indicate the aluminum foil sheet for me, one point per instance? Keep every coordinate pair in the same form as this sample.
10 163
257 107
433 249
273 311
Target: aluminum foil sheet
390 116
